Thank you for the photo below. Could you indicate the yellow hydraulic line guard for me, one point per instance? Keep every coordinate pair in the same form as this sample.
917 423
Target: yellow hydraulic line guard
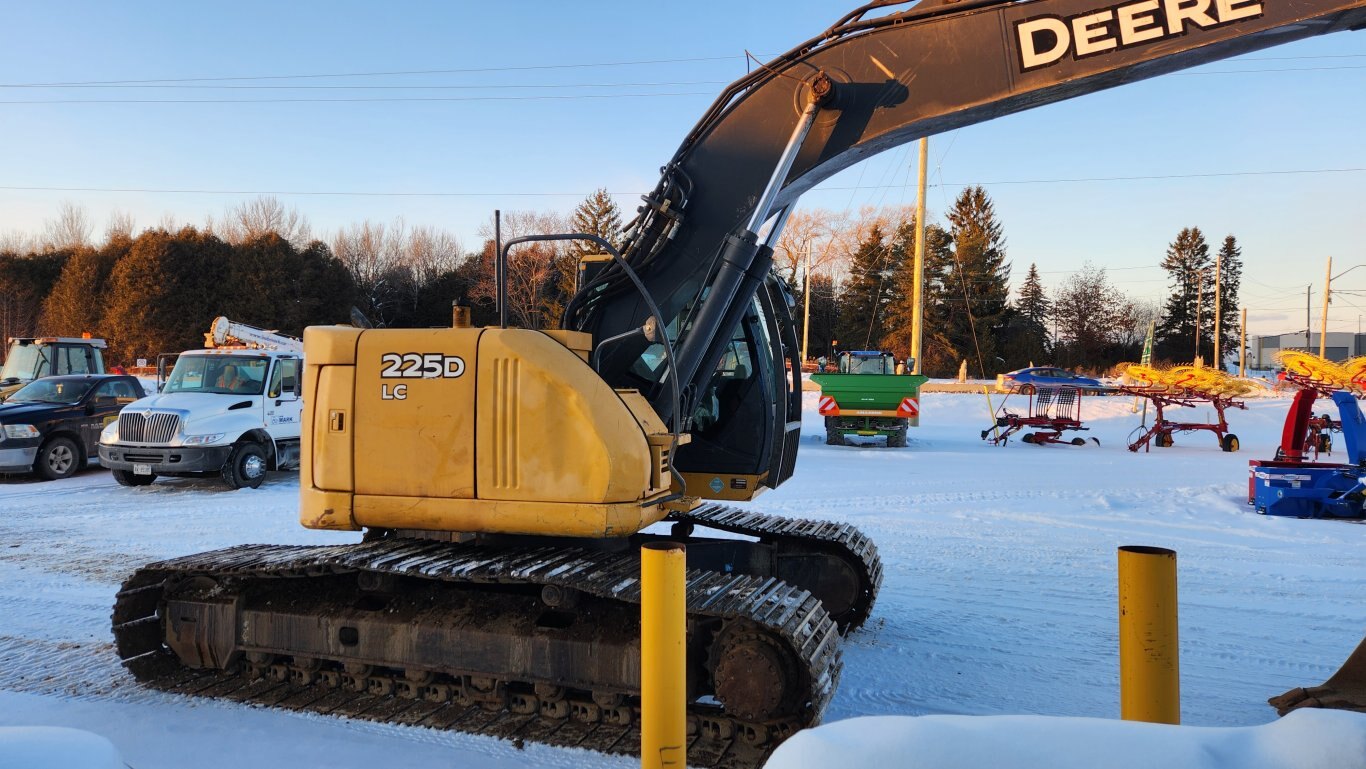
663 671
1149 654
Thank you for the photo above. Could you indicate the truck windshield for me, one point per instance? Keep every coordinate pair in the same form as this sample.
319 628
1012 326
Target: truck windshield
23 362
51 391
223 374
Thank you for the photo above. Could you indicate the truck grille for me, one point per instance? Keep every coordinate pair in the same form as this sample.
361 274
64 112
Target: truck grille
147 428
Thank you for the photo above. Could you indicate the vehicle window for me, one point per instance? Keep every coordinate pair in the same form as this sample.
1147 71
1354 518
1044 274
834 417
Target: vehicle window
24 362
735 363
72 360
284 378
859 365
117 389
225 375
51 391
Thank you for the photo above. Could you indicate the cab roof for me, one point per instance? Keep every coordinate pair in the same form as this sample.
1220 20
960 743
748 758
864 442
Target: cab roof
26 340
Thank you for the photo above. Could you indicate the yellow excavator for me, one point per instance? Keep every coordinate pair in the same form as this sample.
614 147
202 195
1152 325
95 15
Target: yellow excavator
505 478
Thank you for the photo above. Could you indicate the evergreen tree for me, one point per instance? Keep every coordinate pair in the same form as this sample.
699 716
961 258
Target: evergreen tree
937 351
941 352
596 215
165 292
867 292
1188 265
899 298
77 301
1025 335
1033 303
980 275
25 281
1230 280
824 314
321 290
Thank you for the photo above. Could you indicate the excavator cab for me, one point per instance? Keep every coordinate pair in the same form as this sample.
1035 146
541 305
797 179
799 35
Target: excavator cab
747 423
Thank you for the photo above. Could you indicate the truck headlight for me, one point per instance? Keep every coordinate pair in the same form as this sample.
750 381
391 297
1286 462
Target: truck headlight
110 433
21 431
202 440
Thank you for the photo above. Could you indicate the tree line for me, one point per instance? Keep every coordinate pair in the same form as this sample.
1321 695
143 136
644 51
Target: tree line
861 287
157 290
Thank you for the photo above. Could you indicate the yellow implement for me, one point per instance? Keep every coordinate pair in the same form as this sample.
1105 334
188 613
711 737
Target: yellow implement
1347 376
1189 379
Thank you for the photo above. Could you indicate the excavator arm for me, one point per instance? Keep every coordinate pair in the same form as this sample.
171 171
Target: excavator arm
506 477
886 74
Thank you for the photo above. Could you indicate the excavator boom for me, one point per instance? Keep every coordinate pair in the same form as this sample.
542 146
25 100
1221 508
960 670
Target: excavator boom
886 74
505 478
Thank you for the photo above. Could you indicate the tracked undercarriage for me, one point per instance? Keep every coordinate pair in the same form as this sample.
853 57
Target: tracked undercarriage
526 641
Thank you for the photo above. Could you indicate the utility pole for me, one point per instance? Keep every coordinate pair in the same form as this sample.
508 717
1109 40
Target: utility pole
1199 310
918 288
806 313
1242 344
1307 326
1323 321
1218 318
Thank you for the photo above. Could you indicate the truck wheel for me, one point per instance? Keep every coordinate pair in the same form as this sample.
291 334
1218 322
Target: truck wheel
58 458
897 440
834 438
127 478
246 466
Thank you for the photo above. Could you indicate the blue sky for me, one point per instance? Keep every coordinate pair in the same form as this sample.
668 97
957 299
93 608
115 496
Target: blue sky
519 153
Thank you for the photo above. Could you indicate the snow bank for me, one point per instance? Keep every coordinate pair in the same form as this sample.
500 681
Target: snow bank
53 747
1304 739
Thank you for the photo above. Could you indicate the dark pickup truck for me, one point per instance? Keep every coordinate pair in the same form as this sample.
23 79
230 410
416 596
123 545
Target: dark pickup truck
52 425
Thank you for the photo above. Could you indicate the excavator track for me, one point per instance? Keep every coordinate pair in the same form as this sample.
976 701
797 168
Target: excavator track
196 625
839 540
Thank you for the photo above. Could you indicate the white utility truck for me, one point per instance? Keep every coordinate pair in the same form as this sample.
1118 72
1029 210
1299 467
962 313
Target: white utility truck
231 409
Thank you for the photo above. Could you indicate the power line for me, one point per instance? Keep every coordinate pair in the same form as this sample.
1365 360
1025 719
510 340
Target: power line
1286 69
368 193
361 99
519 68
386 87
1151 177
387 73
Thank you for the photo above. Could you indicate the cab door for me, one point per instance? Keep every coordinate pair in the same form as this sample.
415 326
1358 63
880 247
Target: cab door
102 407
283 404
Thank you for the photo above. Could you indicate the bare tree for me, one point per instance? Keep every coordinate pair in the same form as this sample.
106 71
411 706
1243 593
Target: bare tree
170 223
1089 313
530 266
429 252
374 254
120 225
70 229
17 242
261 215
1133 319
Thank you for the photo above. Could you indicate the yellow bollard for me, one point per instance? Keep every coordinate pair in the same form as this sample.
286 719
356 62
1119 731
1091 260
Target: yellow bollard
1149 654
663 666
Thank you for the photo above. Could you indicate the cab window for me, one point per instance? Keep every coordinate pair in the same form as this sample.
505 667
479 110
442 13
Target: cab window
73 360
285 378
118 389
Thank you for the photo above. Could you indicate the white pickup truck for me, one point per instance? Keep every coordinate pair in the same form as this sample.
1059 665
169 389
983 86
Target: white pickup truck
233 409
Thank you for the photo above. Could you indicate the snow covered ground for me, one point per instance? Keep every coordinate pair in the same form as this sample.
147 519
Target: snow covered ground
999 596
